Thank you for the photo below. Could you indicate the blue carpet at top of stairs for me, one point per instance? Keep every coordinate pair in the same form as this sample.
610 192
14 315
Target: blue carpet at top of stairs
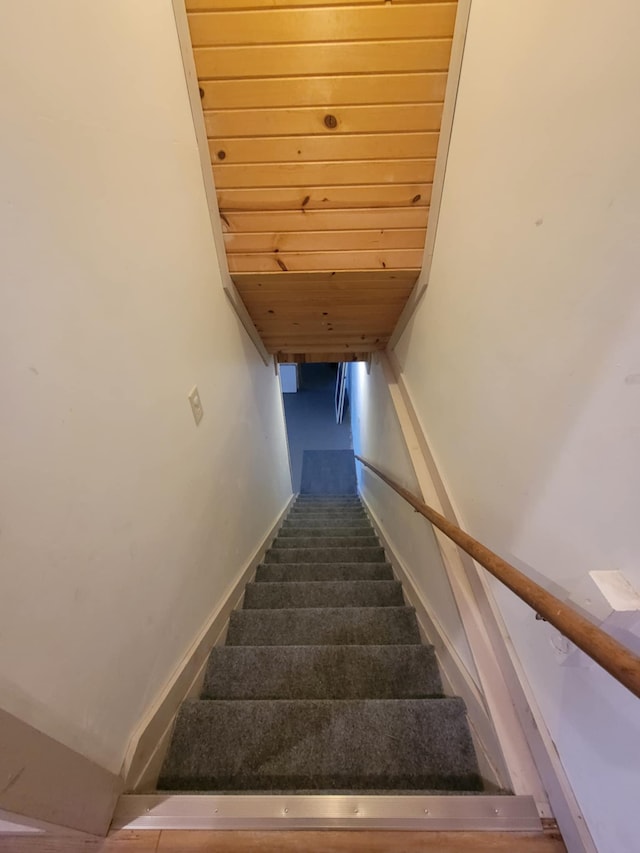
328 472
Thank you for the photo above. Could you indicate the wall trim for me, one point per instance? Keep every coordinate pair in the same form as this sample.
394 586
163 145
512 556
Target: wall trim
150 739
45 780
430 813
511 697
193 91
444 142
493 767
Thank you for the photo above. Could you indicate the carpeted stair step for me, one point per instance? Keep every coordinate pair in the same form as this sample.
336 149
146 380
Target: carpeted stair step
370 541
318 626
322 745
325 555
328 472
322 672
335 522
278 572
325 532
327 506
339 520
329 510
321 508
356 519
335 500
323 594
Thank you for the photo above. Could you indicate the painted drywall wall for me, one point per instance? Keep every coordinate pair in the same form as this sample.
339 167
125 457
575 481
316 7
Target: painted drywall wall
377 436
122 523
523 359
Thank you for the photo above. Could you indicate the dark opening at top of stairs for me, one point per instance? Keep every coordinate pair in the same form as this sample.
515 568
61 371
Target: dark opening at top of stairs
323 684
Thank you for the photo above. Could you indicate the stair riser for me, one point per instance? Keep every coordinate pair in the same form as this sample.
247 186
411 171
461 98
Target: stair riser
328 502
323 594
337 522
324 532
322 672
325 555
284 572
327 542
328 512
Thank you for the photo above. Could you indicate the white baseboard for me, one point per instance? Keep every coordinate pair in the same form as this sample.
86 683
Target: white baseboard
151 738
493 768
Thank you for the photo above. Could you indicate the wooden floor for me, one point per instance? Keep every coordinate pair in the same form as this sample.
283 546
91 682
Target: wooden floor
327 841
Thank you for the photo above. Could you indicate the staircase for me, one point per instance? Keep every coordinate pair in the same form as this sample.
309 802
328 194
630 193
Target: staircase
323 684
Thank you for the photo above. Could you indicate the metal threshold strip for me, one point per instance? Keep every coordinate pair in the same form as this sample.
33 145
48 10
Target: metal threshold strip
327 811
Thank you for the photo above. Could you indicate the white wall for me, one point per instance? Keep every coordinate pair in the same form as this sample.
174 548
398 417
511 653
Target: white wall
122 524
377 436
523 360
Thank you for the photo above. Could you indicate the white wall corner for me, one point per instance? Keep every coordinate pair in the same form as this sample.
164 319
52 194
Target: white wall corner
151 737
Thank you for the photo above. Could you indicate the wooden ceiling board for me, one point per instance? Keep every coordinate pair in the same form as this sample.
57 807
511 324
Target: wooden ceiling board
297 149
349 219
293 60
307 121
337 90
227 5
314 241
245 176
323 123
315 198
321 24
389 259
337 281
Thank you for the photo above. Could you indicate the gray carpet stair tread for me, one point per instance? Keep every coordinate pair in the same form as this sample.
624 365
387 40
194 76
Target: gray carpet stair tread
333 500
328 472
326 506
327 512
322 672
279 572
370 541
335 521
325 532
324 625
323 594
374 554
321 744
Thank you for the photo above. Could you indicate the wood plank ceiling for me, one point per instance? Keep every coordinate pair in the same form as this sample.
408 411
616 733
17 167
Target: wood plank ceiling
323 121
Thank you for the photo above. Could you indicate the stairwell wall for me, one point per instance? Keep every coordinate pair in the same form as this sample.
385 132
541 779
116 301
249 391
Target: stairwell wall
122 523
523 357
377 435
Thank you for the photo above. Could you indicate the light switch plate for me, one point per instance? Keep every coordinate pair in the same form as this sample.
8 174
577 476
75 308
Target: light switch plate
196 404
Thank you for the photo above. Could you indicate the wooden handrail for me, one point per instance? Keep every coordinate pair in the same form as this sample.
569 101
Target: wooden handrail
619 661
